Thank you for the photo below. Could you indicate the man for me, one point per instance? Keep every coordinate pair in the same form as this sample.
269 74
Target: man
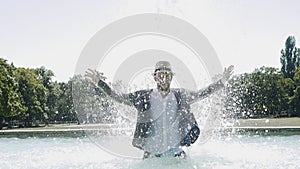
164 121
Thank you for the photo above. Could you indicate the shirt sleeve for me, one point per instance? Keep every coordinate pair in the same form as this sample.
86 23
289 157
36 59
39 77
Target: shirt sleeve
104 88
194 96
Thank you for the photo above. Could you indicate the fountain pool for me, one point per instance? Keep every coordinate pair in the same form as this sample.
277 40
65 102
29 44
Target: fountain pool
250 151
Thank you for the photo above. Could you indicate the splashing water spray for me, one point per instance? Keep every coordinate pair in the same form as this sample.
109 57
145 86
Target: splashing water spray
126 51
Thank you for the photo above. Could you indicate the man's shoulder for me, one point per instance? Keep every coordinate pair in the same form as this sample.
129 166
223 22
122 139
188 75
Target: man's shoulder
178 90
142 92
181 92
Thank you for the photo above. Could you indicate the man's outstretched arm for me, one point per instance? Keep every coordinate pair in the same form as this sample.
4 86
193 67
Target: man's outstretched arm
193 97
102 87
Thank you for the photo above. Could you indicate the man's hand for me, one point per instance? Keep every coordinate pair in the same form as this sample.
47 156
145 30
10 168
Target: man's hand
227 73
94 76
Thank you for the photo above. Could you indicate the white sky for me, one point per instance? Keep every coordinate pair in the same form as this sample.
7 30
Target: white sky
52 33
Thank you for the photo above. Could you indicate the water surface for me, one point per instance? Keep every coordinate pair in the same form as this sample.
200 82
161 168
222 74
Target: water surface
237 151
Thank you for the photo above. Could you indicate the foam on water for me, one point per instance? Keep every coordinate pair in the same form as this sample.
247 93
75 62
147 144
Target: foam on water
231 152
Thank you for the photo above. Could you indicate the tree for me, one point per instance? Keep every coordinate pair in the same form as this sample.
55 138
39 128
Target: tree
295 99
53 100
65 107
295 102
45 76
11 103
297 77
290 57
34 94
259 94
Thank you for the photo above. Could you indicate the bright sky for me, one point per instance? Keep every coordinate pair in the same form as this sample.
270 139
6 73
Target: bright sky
52 33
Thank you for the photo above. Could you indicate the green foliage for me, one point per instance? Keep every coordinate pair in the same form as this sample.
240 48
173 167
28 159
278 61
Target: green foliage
290 57
11 103
30 94
45 76
297 77
65 103
34 94
295 102
37 96
295 99
265 92
268 92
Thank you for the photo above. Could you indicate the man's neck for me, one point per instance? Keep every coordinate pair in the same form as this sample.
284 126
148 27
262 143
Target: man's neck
164 93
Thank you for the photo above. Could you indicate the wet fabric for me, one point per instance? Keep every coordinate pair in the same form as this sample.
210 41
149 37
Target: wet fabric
165 121
145 128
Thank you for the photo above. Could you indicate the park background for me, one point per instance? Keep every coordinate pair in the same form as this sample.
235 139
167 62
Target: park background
41 42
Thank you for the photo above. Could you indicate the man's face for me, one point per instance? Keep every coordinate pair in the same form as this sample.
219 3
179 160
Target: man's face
163 80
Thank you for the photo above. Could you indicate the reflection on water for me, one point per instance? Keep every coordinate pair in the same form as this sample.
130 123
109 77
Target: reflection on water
237 151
